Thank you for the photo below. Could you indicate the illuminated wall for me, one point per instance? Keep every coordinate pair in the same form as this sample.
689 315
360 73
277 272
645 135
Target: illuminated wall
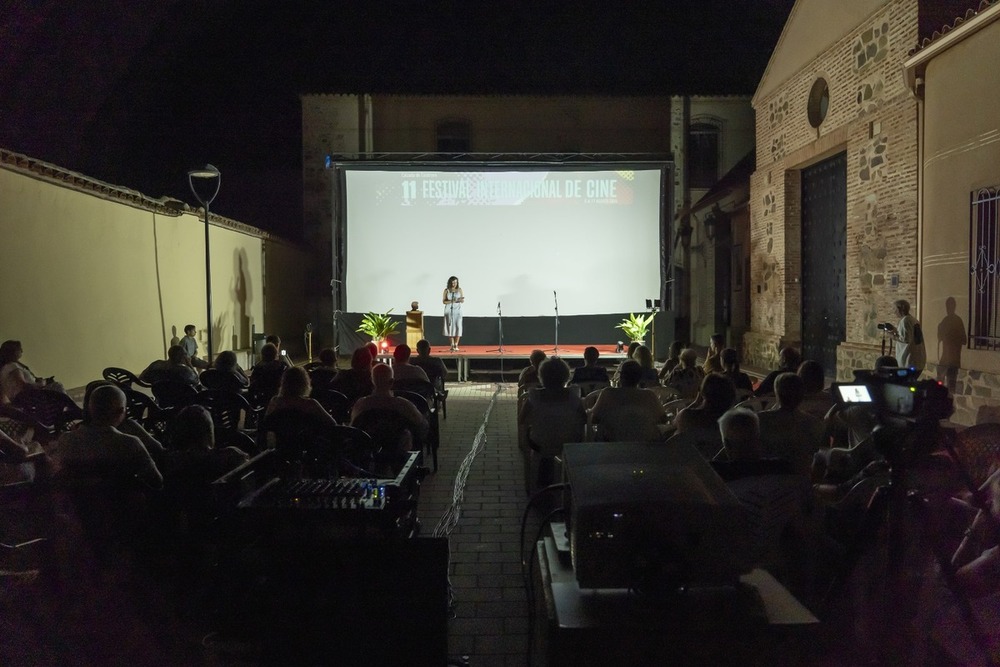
92 277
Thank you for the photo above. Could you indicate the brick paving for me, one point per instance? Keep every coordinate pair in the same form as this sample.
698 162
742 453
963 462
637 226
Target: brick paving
490 623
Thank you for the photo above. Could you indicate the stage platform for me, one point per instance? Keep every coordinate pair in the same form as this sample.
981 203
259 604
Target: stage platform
491 360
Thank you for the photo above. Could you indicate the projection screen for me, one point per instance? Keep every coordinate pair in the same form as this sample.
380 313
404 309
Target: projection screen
522 238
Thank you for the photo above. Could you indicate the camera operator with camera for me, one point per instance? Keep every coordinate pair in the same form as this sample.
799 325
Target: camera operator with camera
908 336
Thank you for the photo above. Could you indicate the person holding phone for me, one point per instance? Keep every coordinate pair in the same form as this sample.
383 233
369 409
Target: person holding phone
453 298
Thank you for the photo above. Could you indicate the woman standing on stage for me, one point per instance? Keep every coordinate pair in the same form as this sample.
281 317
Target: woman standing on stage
453 298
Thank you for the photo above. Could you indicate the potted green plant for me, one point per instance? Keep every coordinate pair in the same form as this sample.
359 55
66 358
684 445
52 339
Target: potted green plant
378 325
635 327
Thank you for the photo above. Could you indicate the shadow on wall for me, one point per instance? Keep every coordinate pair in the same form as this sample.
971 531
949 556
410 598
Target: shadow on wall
242 294
951 339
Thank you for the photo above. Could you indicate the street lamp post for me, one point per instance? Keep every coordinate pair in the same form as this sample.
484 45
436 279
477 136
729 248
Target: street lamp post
206 174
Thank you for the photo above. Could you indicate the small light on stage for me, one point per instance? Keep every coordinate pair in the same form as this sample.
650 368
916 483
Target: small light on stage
385 345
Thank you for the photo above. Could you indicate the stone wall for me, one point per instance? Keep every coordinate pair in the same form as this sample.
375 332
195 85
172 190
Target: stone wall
873 118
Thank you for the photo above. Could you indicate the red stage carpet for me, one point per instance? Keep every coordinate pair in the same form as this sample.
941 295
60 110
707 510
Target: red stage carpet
521 351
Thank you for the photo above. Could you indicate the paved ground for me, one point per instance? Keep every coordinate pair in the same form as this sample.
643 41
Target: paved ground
490 623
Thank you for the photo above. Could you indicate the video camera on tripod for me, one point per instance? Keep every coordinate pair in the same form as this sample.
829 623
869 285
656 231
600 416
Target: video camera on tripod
897 396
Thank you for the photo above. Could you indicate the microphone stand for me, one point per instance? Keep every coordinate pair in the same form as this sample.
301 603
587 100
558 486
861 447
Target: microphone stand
499 330
555 299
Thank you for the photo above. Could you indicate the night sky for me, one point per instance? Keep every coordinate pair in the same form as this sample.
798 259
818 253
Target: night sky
136 92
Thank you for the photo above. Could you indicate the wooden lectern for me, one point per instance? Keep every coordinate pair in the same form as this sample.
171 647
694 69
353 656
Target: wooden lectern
414 327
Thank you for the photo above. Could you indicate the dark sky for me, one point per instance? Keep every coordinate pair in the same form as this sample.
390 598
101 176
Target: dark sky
135 92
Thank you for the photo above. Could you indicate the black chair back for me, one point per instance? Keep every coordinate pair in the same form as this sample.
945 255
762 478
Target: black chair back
53 409
334 402
389 431
227 408
174 394
213 378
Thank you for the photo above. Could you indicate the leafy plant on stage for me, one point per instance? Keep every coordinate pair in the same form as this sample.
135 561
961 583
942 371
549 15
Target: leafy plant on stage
635 326
378 325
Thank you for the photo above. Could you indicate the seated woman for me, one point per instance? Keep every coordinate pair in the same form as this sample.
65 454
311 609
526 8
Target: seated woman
788 362
323 375
645 358
230 376
293 396
628 412
15 377
716 395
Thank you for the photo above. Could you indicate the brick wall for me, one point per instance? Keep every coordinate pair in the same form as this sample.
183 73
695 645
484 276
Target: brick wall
873 118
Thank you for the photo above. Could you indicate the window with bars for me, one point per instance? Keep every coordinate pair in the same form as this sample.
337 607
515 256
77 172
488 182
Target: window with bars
703 154
984 273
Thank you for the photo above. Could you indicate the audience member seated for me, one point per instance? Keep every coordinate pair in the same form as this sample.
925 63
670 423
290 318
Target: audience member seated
553 413
265 377
99 449
293 396
590 371
713 358
788 433
742 454
788 362
323 375
356 381
382 398
190 345
687 376
672 360
228 376
435 369
18 452
177 367
282 357
645 358
714 398
817 401
977 558
15 377
628 412
193 458
529 376
402 369
731 369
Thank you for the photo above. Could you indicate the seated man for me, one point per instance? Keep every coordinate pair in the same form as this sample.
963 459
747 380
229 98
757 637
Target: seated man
788 362
433 367
551 416
177 367
356 381
731 369
817 401
322 376
265 377
529 375
193 457
99 448
687 375
788 433
590 371
402 369
382 398
742 454
628 413
282 356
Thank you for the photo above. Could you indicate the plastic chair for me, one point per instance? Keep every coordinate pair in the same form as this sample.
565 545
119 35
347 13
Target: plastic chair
174 394
213 378
227 408
757 403
53 409
121 377
388 430
334 402
776 504
433 438
978 450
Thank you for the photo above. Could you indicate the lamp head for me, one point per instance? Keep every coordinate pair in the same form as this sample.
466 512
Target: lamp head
208 171
205 175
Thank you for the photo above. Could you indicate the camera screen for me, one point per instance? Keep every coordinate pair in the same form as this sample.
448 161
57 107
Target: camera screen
854 393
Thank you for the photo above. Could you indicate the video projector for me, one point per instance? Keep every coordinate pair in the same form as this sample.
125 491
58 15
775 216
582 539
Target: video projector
652 515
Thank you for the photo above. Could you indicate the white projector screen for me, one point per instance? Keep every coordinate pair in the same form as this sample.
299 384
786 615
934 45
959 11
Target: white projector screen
519 238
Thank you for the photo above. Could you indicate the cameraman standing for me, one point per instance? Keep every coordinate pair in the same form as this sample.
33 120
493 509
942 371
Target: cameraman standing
909 338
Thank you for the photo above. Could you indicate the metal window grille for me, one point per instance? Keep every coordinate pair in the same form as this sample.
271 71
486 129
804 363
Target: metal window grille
984 273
